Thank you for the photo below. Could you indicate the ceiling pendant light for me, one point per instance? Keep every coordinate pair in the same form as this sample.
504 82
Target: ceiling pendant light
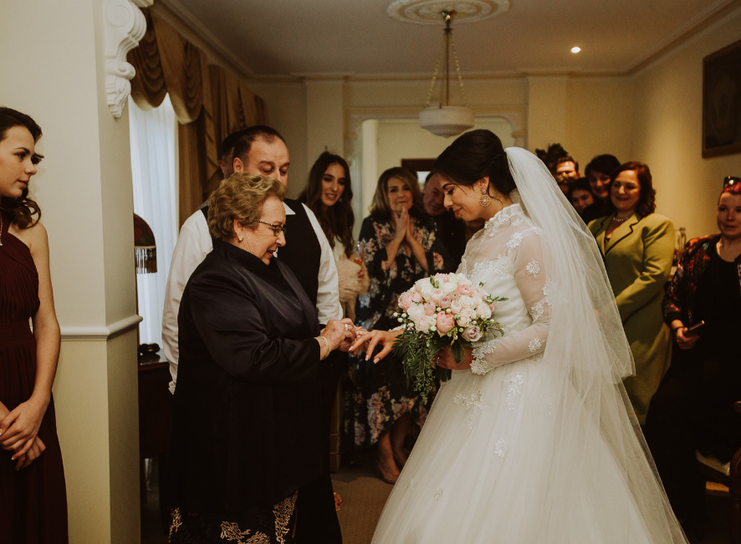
441 118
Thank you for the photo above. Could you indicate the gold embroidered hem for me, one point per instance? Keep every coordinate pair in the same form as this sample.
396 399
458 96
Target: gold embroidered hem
255 526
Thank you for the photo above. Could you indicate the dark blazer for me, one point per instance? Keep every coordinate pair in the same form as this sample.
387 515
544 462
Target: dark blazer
246 409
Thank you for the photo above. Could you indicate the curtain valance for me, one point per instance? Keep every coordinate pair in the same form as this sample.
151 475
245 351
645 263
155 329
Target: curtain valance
209 103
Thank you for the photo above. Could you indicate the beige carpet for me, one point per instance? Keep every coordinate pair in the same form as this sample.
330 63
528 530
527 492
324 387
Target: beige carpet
363 496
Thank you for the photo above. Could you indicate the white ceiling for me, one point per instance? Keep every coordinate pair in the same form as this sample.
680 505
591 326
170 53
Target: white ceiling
277 38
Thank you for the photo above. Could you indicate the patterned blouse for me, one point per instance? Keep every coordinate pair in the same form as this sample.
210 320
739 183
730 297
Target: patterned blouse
679 297
388 282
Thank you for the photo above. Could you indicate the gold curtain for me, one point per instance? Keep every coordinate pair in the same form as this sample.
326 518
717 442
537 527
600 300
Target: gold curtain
208 102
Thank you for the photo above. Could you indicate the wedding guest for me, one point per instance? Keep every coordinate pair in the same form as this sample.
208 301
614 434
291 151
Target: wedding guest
329 195
261 150
398 245
566 172
600 172
693 408
33 499
452 231
249 380
638 246
580 195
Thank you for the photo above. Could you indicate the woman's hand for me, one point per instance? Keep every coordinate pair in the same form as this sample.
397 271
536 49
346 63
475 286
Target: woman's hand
685 342
445 359
36 449
339 334
402 224
367 341
19 428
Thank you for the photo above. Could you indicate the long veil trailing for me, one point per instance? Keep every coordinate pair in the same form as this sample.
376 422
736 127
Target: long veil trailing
539 444
587 341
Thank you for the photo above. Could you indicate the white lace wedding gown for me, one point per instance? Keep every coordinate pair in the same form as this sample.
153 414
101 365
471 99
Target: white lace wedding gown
509 454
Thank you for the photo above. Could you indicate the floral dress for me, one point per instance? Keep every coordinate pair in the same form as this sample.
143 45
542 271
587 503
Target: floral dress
377 395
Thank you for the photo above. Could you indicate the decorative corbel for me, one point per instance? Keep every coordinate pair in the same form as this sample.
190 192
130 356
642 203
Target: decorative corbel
124 27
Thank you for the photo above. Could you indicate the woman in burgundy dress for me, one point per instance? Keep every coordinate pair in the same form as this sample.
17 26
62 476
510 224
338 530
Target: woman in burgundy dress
33 502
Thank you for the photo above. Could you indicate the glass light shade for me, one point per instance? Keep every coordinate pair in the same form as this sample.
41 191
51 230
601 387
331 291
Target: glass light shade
446 120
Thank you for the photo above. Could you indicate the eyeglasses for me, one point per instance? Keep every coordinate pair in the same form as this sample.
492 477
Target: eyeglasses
730 181
277 229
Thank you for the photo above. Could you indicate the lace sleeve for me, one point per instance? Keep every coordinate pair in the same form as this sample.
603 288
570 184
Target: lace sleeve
536 290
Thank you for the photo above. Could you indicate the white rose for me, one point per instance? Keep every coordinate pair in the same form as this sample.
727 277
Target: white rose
425 287
416 312
483 310
469 313
455 306
477 300
466 301
463 320
449 286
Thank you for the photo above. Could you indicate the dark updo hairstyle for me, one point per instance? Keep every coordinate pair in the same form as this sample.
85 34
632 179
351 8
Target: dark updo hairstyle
23 211
475 155
338 220
604 164
647 197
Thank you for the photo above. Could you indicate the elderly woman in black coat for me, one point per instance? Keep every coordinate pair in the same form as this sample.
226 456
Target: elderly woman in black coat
246 412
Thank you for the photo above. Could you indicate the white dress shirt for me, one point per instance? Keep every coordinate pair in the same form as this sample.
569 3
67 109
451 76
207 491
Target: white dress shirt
194 243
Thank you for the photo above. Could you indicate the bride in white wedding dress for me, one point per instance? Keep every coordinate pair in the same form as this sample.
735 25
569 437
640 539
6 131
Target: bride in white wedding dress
533 439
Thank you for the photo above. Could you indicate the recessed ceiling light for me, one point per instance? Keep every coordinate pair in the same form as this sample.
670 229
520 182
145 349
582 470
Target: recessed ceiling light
575 49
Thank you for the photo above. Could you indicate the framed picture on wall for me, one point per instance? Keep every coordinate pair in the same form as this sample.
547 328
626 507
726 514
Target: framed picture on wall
721 102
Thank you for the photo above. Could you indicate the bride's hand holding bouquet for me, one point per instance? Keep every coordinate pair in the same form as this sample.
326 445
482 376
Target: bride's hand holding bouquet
441 317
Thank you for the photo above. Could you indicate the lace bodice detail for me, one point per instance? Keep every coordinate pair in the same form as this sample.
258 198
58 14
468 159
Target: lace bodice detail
507 256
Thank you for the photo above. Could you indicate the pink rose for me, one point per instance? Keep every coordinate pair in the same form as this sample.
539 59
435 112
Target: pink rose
424 323
417 297
430 308
405 301
472 333
445 301
465 290
444 323
455 295
442 278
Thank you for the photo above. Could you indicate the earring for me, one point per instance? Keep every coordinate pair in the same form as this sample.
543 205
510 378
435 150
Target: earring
485 199
240 238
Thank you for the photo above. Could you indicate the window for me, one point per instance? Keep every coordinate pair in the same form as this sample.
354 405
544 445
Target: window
153 136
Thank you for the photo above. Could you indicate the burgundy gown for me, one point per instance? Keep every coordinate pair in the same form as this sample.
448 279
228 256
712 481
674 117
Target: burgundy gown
33 500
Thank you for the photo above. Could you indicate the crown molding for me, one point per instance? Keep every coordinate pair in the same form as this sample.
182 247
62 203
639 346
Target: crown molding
703 20
176 14
124 26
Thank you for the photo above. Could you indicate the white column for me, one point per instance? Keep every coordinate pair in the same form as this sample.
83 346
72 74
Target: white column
53 68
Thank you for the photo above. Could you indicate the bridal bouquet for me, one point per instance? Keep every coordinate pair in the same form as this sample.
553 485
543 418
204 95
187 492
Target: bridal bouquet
439 311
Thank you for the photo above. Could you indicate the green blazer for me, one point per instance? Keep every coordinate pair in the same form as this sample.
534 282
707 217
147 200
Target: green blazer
638 258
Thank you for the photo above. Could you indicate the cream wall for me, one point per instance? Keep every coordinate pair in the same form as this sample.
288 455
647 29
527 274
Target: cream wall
53 69
667 130
599 118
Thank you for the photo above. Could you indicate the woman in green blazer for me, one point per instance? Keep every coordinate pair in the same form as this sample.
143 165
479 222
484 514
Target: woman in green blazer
638 245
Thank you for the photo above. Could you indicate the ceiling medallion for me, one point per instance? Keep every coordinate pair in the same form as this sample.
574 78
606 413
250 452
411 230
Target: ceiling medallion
428 12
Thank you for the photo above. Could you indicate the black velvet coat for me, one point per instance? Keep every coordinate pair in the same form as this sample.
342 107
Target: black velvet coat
246 409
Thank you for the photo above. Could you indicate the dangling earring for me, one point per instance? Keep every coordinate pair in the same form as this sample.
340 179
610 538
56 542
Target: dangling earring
485 199
240 238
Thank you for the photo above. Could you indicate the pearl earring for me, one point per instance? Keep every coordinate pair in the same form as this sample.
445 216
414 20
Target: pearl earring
240 238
